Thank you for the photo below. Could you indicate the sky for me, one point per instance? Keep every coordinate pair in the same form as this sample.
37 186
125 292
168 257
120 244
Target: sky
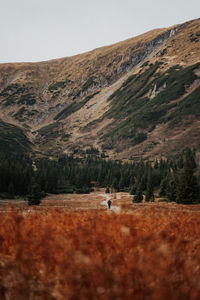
38 30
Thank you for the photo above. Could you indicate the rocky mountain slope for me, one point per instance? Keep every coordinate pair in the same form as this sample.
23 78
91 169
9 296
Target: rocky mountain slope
137 98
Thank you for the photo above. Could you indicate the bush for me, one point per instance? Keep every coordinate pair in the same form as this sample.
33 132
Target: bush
35 194
140 137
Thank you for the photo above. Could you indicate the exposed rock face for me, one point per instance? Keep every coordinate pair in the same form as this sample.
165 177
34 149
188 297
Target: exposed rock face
154 92
144 53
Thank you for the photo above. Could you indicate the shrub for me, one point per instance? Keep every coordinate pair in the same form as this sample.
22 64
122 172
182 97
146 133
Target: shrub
140 137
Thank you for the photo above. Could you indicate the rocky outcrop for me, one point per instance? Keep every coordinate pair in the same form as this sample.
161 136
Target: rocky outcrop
154 92
148 49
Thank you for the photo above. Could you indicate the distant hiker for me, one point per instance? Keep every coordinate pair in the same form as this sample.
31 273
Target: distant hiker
109 203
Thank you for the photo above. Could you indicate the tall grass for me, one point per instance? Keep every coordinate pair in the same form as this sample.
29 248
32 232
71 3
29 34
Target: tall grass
56 255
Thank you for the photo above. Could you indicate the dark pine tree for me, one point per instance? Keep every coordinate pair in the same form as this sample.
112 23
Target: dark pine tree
11 190
187 190
150 189
139 195
163 186
171 188
115 185
35 194
133 189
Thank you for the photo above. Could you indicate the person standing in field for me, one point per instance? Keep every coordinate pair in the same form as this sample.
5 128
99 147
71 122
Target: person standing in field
109 203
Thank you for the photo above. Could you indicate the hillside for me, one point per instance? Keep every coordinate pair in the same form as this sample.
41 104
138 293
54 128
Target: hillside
136 98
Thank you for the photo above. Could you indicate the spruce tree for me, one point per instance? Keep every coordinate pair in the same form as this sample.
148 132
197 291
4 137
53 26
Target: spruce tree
35 194
143 181
187 187
171 189
133 189
163 187
138 196
11 190
121 183
189 158
115 185
150 188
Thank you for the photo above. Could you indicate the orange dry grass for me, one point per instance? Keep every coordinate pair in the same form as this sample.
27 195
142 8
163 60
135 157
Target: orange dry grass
89 255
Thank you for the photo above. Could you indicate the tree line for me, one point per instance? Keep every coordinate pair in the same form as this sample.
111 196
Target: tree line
175 179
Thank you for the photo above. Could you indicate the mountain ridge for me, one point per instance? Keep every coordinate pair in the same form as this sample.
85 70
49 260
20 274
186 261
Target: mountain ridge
63 104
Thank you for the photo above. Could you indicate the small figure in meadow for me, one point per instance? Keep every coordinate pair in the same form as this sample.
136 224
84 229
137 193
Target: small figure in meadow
109 203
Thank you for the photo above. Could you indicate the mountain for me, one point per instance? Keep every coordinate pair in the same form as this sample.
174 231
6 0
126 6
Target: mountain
137 98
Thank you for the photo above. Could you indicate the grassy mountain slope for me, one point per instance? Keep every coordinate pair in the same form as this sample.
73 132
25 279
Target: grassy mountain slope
136 98
137 111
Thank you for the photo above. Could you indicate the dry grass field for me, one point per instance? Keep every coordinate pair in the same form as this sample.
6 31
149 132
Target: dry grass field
73 247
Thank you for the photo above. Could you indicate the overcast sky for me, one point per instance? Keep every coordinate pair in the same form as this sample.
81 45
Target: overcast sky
36 30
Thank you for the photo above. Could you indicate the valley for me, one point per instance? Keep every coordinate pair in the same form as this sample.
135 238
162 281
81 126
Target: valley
120 123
